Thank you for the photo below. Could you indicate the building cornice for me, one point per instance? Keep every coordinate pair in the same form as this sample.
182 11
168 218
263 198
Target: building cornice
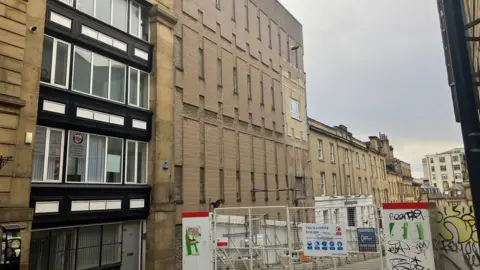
164 15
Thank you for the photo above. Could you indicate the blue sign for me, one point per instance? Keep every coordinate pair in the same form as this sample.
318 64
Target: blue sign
367 239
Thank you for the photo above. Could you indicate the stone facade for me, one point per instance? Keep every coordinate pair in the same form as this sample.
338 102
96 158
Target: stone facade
230 112
20 59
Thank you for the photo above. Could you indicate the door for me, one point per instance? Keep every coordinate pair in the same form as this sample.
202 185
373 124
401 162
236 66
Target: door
131 245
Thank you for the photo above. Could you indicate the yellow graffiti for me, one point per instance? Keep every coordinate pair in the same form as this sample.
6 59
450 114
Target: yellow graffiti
457 223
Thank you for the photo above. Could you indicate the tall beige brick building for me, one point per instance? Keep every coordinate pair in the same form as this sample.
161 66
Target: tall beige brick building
240 106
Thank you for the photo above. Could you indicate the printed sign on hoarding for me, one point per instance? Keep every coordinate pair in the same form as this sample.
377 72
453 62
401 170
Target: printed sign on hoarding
367 239
324 240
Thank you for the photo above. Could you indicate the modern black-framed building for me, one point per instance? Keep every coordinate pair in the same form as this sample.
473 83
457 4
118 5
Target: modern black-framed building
93 166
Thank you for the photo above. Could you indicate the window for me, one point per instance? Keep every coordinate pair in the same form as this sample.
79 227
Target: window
233 10
358 160
259 27
249 85
217 4
434 177
178 52
334 185
374 166
99 76
270 34
458 176
262 94
112 12
202 64
139 20
222 184
346 155
48 154
456 167
138 88
247 24
360 186
366 186
277 187
77 248
364 162
454 158
433 168
279 44
443 168
300 187
444 176
323 183
325 217
235 81
178 188
219 72
252 181
55 62
320 149
431 160
94 158
351 216
332 153
442 159
68 2
295 108
288 50
272 91
136 162
287 184
239 187
265 186
349 185
202 186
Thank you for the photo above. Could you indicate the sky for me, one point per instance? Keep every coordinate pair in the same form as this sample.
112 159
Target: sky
378 66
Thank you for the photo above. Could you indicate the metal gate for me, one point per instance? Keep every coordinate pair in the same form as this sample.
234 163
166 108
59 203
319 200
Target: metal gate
271 237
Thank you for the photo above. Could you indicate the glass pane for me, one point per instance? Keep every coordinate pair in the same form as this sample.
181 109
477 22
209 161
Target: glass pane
61 65
103 10
88 253
120 14
85 6
101 69
117 83
96 158
132 91
62 249
81 70
68 2
114 160
134 18
39 250
143 91
142 163
144 23
46 74
111 244
131 162
39 154
54 152
77 155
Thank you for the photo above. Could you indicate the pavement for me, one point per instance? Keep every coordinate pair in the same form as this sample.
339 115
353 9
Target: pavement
370 265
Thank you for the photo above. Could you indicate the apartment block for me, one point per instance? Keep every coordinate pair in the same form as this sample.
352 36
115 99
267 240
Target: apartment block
445 169
232 120
86 106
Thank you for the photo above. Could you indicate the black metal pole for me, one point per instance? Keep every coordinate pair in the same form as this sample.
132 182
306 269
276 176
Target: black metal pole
464 89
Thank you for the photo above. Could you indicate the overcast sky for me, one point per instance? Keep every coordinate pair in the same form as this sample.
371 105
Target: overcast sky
378 66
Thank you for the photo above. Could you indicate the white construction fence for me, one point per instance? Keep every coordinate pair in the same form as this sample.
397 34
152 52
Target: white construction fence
279 237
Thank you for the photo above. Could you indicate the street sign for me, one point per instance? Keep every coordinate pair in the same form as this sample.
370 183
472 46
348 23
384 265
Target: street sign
324 240
367 239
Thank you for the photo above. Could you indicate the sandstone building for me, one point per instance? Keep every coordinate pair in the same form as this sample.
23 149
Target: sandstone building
86 106
240 106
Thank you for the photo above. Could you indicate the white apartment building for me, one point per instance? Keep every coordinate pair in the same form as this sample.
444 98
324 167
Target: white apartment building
444 169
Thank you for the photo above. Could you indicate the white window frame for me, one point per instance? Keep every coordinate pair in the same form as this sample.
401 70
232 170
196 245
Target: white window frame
323 183
112 7
138 89
295 109
45 158
54 62
87 159
320 149
139 36
136 163
332 153
91 77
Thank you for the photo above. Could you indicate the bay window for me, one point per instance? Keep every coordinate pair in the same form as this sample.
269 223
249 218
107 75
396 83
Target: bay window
99 76
94 158
48 154
136 167
138 89
55 62
115 13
